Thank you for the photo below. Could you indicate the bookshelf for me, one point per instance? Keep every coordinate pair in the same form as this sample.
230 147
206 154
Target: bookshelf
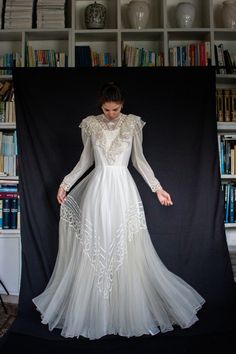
160 35
10 242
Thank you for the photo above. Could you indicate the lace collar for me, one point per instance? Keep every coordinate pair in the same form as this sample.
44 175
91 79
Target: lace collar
112 124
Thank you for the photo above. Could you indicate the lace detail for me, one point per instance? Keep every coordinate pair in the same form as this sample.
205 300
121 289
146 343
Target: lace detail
156 186
105 262
65 186
95 125
105 122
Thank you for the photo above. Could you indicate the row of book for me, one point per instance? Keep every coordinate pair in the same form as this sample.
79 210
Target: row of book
45 57
225 62
142 57
227 153
6 91
50 13
17 14
8 143
9 60
8 154
226 105
7 103
7 112
9 207
229 191
193 54
86 57
9 165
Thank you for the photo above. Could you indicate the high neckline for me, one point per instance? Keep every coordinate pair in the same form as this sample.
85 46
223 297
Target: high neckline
114 120
111 124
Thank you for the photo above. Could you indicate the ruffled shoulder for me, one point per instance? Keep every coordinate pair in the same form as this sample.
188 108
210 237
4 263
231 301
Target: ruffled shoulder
87 124
136 121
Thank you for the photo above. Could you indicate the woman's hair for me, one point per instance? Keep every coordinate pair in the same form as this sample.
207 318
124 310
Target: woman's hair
110 92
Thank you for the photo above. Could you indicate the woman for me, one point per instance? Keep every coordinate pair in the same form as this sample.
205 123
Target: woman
108 278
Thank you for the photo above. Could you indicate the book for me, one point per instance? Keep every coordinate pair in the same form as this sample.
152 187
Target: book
6 221
5 187
228 62
83 56
233 104
13 213
227 144
1 205
227 112
219 105
220 59
8 195
231 206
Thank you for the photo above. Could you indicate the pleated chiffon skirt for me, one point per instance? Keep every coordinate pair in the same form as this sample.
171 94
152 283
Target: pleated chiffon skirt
108 278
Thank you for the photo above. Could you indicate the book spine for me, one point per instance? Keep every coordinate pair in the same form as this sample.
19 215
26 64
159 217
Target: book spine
6 214
13 213
1 206
231 209
227 203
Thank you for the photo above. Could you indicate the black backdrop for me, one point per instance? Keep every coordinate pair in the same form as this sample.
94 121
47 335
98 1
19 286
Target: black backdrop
180 143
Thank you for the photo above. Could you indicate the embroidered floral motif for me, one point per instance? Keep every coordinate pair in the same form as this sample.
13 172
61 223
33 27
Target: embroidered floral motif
94 125
105 261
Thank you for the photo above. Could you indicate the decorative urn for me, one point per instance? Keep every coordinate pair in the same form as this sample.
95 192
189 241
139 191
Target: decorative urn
95 16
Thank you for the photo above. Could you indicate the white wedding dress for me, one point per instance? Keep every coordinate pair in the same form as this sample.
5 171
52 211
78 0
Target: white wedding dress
108 278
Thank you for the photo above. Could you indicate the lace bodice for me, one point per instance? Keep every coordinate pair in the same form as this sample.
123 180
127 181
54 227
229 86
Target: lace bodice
111 143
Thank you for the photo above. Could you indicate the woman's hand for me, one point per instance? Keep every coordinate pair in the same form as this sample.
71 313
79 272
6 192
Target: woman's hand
61 195
164 197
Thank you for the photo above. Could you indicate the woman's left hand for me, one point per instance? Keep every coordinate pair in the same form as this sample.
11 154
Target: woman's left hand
164 197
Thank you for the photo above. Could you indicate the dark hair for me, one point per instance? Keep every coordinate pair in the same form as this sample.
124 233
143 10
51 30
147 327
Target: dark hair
110 92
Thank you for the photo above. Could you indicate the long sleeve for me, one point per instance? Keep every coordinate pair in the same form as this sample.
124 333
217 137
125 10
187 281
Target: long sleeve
86 160
139 161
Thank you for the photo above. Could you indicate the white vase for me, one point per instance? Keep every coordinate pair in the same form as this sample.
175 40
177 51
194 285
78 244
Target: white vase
229 14
185 14
138 13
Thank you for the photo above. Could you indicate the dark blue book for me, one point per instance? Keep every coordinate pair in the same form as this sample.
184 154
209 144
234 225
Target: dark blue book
6 209
13 213
231 208
83 56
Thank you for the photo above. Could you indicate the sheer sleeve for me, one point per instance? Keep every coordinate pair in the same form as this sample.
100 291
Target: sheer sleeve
86 160
139 161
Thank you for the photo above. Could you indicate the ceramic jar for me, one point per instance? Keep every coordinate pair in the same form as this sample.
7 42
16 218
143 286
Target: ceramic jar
185 14
138 13
95 16
229 14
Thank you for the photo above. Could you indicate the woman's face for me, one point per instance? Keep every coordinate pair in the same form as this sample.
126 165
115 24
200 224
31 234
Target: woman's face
112 109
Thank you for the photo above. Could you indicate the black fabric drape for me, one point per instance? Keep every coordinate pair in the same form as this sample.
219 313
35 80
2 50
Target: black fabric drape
180 143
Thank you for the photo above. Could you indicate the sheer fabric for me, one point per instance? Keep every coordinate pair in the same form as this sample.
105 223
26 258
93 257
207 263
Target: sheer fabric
86 160
108 278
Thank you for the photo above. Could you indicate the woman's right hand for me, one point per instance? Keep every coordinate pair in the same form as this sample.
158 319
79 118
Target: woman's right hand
61 195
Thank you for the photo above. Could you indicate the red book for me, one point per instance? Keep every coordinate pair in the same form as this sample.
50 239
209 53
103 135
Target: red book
203 60
192 54
4 195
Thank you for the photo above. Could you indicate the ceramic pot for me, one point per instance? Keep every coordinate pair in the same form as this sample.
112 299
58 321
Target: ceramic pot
229 14
138 13
95 16
185 14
